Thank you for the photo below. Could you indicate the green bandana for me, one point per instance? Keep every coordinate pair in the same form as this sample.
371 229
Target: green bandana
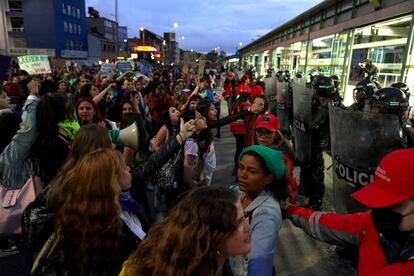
70 128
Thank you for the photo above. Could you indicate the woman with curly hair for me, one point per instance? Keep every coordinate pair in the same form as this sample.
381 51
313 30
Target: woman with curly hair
196 238
90 237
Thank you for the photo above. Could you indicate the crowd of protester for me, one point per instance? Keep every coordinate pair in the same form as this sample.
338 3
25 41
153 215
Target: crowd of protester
102 207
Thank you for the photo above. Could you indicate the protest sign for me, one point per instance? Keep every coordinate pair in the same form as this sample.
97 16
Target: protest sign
107 69
125 66
35 64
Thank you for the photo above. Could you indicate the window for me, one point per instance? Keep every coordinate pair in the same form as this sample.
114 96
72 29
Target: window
17 24
68 9
78 13
79 30
73 12
346 5
67 44
71 45
63 8
108 24
104 47
65 26
70 28
15 6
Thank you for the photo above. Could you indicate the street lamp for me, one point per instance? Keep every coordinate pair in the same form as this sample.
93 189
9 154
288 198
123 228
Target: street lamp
143 40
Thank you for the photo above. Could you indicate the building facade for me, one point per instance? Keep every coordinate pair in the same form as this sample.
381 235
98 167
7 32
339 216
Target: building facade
123 41
53 27
334 36
147 46
109 30
171 49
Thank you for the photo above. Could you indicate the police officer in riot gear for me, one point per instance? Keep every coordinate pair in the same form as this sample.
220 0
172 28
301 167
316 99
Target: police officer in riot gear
403 87
391 100
337 82
362 93
312 175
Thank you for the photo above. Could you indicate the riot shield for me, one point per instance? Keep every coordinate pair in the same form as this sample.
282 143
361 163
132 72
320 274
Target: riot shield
358 142
302 120
270 93
284 104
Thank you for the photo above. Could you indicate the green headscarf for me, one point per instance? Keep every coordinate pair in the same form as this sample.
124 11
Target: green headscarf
273 159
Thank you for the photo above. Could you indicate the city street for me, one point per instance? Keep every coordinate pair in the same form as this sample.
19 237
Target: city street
297 253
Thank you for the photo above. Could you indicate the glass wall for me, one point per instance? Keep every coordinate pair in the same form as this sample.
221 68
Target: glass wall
326 54
384 43
290 57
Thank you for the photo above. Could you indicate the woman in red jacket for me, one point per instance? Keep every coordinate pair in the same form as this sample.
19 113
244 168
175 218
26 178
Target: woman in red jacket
385 234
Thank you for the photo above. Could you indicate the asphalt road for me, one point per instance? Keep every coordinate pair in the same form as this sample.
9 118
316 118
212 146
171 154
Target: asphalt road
296 254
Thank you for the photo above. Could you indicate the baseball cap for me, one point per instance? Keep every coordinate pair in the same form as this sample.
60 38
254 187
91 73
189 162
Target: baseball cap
268 121
393 181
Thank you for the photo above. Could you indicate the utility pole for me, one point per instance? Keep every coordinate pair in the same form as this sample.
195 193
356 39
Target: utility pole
116 31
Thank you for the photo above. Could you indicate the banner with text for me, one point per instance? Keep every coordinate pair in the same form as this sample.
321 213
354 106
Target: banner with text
35 64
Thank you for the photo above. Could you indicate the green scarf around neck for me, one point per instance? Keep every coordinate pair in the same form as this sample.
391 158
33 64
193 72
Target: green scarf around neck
70 128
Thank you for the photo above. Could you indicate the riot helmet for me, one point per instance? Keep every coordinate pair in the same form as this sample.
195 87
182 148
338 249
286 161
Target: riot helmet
313 74
390 100
286 76
403 87
337 81
324 87
364 90
279 75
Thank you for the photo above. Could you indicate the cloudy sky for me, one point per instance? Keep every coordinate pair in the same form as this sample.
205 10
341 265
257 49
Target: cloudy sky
204 24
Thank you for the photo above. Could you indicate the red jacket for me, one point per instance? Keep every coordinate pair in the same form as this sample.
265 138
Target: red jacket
239 126
356 229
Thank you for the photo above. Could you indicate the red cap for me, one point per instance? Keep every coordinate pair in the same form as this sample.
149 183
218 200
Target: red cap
256 91
244 78
393 181
242 88
268 121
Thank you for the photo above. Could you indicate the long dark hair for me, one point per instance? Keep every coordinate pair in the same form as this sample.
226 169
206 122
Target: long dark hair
50 149
278 187
204 107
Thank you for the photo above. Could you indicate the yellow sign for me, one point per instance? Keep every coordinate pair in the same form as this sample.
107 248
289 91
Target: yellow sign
145 49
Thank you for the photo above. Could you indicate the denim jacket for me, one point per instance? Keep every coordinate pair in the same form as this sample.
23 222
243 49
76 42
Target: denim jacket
266 220
13 172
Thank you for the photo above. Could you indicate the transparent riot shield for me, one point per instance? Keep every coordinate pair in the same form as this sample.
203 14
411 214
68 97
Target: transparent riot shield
358 142
302 120
270 93
284 104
